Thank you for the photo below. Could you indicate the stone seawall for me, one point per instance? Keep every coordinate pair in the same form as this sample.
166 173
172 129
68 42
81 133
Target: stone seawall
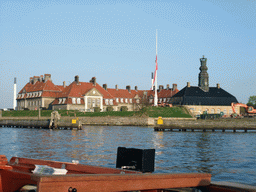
174 123
246 123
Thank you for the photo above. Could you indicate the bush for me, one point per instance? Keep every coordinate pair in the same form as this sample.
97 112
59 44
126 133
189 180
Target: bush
110 108
96 109
124 108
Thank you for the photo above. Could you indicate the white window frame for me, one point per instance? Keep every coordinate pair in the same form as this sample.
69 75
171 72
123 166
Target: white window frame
117 100
106 102
121 100
126 100
64 100
73 100
60 100
130 100
111 101
78 101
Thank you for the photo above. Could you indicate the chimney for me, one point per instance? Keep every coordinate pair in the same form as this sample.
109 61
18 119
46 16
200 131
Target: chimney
31 80
167 86
47 77
136 88
128 87
218 85
174 86
161 87
41 78
64 84
93 81
35 79
116 87
77 79
105 86
188 84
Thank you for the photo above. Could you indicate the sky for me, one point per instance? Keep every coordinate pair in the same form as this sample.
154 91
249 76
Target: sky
115 41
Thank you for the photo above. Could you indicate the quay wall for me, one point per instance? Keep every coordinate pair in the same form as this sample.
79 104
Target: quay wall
245 123
174 123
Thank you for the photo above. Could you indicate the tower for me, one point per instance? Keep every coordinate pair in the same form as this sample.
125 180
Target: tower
203 78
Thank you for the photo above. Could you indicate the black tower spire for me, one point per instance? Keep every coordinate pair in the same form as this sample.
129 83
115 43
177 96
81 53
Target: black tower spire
203 78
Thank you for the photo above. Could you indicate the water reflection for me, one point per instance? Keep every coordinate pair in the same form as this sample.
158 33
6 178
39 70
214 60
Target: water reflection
227 156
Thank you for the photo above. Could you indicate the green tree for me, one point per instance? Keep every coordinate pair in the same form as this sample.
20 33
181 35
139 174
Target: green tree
252 101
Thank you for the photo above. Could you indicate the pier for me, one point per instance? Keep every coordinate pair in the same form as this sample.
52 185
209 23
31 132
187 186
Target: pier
218 125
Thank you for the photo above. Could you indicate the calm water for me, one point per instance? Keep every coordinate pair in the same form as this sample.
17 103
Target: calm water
227 156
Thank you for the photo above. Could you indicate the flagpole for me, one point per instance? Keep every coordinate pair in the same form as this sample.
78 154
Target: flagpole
156 98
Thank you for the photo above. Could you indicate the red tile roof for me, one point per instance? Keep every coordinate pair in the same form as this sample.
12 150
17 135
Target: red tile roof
48 89
120 93
80 89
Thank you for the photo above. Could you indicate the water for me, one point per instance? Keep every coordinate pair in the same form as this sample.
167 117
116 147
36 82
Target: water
227 156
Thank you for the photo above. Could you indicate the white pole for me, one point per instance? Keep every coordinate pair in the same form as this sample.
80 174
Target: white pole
156 98
14 95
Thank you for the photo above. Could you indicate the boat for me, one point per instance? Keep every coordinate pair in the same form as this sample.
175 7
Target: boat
17 175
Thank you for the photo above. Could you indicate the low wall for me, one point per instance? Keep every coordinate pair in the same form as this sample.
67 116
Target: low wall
246 123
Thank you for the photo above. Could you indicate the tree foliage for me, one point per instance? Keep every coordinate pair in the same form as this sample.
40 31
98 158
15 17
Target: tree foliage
252 101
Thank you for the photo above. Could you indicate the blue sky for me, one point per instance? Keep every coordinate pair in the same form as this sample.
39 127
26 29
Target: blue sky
115 41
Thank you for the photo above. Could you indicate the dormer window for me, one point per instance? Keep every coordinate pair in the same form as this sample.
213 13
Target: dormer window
73 100
117 100
106 101
64 99
40 93
130 100
126 100
60 100
111 101
78 101
122 100
164 99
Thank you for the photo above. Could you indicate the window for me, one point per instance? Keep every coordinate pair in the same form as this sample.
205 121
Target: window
117 100
78 101
98 102
164 100
39 103
64 99
106 101
225 111
126 100
168 99
230 111
130 100
160 100
122 100
212 111
150 100
111 101
218 111
60 100
137 100
40 93
89 101
73 100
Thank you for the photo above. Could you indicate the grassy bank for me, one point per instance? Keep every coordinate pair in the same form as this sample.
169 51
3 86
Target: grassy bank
145 112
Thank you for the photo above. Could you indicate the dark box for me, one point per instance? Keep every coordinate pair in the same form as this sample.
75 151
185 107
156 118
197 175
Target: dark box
136 159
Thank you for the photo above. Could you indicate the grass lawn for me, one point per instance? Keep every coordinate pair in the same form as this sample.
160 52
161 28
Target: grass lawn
145 112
